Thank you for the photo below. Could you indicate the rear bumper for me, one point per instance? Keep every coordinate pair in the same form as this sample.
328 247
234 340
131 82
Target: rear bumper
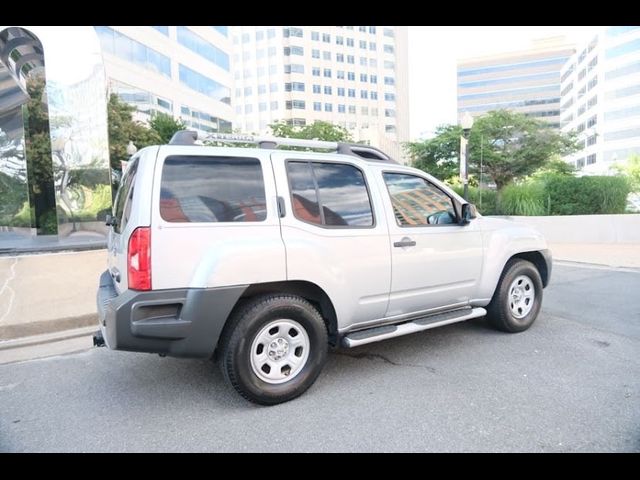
177 322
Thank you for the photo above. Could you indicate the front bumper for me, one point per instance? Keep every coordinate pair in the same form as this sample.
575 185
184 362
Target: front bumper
175 322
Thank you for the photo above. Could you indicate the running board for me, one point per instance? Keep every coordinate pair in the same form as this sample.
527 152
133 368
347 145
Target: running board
376 334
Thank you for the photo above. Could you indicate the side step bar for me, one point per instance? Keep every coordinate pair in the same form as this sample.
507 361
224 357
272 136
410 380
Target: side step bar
376 334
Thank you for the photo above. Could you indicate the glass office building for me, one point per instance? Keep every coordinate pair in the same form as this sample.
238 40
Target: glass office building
55 187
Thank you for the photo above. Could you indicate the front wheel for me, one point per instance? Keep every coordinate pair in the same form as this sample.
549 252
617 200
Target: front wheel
518 297
274 348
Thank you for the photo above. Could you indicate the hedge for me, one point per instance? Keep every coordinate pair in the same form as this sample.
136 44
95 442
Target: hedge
586 195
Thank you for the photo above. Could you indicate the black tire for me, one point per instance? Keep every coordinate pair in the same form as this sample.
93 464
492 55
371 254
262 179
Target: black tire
499 312
243 328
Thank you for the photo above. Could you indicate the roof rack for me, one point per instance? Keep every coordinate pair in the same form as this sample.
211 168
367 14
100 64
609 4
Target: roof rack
190 137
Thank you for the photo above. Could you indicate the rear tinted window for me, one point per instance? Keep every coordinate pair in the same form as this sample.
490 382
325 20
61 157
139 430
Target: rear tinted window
212 189
339 188
124 198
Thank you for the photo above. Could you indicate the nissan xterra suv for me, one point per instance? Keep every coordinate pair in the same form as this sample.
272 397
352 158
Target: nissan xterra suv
262 258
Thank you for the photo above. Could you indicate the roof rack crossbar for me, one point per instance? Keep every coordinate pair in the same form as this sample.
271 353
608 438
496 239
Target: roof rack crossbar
190 137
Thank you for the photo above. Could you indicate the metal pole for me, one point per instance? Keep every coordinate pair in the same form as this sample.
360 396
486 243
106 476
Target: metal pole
466 171
481 167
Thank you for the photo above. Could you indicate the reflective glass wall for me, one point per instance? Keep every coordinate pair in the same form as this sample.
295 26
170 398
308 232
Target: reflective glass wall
55 187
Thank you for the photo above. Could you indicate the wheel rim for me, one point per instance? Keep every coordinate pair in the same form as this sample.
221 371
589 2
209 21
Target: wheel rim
522 295
280 351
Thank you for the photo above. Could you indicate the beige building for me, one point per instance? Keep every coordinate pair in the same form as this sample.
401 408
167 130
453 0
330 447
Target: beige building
353 76
526 81
184 71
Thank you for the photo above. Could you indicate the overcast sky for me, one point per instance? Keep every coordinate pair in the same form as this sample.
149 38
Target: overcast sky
433 52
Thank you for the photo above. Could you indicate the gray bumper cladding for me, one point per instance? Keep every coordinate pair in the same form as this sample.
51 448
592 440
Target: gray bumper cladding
180 322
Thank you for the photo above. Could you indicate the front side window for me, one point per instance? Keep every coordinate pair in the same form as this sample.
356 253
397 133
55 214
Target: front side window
417 202
329 194
124 198
212 189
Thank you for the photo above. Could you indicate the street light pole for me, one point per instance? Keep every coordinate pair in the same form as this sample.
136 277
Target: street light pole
466 124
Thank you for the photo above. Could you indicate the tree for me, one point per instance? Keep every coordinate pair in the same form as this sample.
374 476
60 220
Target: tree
319 130
632 171
122 129
165 126
553 168
514 145
438 156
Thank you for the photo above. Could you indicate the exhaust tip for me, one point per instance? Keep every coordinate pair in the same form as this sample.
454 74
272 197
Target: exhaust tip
98 339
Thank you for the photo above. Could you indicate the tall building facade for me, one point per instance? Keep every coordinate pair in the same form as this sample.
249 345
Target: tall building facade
601 99
526 81
184 71
353 76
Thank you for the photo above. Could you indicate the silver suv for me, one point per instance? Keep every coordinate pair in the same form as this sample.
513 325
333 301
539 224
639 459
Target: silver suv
263 258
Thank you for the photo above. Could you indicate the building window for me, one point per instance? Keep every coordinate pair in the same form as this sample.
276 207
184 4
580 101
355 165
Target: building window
327 72
326 55
294 50
341 108
295 104
248 108
294 87
364 110
339 40
390 97
315 36
328 107
340 75
315 53
352 92
135 52
363 61
388 32
326 38
274 105
351 59
363 44
273 87
247 91
592 121
317 106
364 94
340 92
327 90
388 112
339 57
363 77
592 101
373 95
351 76
350 42
352 108
389 81
389 65
202 47
165 30
389 49
198 82
591 140
372 46
372 30
317 88
591 159
293 68
262 106
315 71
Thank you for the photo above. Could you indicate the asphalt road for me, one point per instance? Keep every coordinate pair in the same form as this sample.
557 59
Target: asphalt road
571 383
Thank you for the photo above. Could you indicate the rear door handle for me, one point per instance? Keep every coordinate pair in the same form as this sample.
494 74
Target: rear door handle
405 242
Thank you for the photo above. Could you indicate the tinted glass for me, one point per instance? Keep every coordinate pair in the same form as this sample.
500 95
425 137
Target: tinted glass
416 202
343 194
340 188
125 196
212 189
304 197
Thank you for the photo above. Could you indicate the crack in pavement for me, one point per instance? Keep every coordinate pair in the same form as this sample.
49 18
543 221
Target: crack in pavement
377 356
6 286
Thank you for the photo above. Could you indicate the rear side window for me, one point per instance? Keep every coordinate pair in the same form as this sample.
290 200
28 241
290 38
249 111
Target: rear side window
124 198
339 188
212 189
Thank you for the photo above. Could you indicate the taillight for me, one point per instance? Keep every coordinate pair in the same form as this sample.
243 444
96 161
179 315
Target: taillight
139 259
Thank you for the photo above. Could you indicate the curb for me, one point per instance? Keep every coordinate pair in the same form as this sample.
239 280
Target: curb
575 263
41 327
47 338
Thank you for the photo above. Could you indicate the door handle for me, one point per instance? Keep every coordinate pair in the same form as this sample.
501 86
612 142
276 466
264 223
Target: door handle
405 242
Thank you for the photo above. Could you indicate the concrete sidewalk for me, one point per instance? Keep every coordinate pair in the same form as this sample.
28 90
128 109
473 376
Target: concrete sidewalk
48 293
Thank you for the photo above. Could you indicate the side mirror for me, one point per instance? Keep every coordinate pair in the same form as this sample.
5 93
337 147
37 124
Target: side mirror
111 221
468 213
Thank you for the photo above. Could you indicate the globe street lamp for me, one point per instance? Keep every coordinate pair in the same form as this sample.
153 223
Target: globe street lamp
466 124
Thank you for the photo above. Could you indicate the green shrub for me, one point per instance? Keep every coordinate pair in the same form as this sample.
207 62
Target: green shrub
586 195
485 200
526 199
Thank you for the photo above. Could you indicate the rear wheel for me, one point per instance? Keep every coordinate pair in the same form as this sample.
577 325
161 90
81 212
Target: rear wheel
274 348
518 297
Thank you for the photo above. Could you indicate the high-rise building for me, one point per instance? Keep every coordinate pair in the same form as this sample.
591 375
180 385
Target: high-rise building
601 99
526 81
182 71
355 77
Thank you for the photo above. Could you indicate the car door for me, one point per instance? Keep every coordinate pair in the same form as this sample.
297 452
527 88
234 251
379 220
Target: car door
436 262
335 233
